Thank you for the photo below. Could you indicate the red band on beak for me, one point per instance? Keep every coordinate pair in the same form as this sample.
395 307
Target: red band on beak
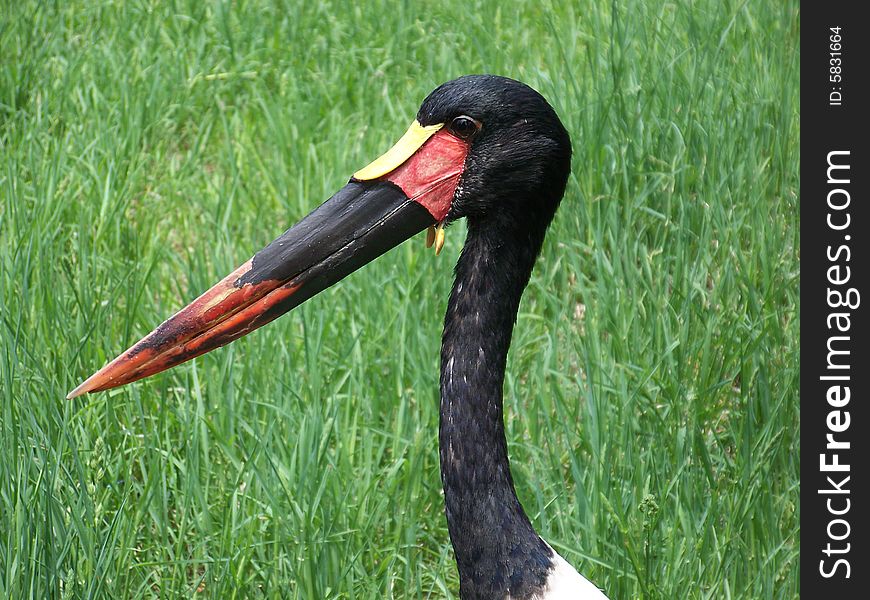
430 176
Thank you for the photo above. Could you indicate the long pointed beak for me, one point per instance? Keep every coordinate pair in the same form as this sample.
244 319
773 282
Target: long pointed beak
400 194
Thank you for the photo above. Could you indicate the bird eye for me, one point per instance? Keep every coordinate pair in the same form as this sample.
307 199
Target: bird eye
464 127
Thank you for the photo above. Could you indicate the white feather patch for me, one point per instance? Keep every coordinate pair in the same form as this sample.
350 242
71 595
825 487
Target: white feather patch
565 583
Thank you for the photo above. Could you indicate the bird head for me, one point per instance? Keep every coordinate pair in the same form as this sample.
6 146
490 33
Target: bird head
519 152
487 148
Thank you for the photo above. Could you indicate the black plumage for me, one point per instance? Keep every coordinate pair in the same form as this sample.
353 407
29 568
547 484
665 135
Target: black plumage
514 179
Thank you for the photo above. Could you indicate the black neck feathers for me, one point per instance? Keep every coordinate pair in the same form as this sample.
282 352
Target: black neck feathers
497 549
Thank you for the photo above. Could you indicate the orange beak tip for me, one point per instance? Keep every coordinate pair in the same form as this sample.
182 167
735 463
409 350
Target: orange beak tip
83 388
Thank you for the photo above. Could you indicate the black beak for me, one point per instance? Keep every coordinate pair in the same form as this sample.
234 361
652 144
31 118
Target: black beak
358 224
399 194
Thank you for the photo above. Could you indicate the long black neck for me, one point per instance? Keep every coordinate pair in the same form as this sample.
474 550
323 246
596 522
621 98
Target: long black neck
497 549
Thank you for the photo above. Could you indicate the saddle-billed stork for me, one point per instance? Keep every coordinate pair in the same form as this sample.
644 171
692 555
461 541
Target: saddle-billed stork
486 148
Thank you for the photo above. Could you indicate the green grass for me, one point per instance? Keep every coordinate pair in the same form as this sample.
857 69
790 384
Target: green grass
147 148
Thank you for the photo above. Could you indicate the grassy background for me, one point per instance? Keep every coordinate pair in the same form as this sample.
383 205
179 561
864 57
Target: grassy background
147 148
